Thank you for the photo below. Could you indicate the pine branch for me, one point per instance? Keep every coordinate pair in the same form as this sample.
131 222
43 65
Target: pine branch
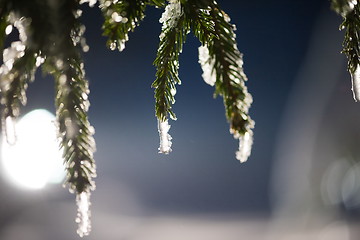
351 41
350 11
14 82
63 61
121 17
200 20
74 128
17 70
172 37
222 65
3 24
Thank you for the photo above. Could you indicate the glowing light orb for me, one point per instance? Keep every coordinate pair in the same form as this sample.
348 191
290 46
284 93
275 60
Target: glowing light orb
35 160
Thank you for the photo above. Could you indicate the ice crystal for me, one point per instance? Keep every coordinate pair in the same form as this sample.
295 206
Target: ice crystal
91 2
9 131
21 23
172 13
207 65
245 145
10 54
119 44
355 80
116 17
165 138
348 7
244 105
39 60
83 213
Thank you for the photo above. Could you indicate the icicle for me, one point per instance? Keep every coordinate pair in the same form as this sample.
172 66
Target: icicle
83 214
355 80
165 138
245 144
9 130
207 65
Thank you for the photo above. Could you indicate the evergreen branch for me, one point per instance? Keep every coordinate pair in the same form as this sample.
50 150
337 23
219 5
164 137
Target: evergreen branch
121 17
343 7
76 135
351 40
200 20
74 128
3 24
156 3
173 35
53 35
14 83
222 65
64 62
350 11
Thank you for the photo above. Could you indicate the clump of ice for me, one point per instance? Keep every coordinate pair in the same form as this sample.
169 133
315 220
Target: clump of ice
355 80
207 65
10 55
91 2
170 16
245 145
165 138
9 130
83 213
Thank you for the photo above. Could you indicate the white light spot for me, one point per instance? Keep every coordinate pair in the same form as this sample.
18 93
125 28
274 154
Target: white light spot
8 29
35 159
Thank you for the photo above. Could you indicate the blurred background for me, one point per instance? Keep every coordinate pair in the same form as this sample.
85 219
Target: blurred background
302 180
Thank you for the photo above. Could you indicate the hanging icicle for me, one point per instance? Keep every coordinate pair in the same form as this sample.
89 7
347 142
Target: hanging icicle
224 70
83 213
9 130
165 138
355 80
245 145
